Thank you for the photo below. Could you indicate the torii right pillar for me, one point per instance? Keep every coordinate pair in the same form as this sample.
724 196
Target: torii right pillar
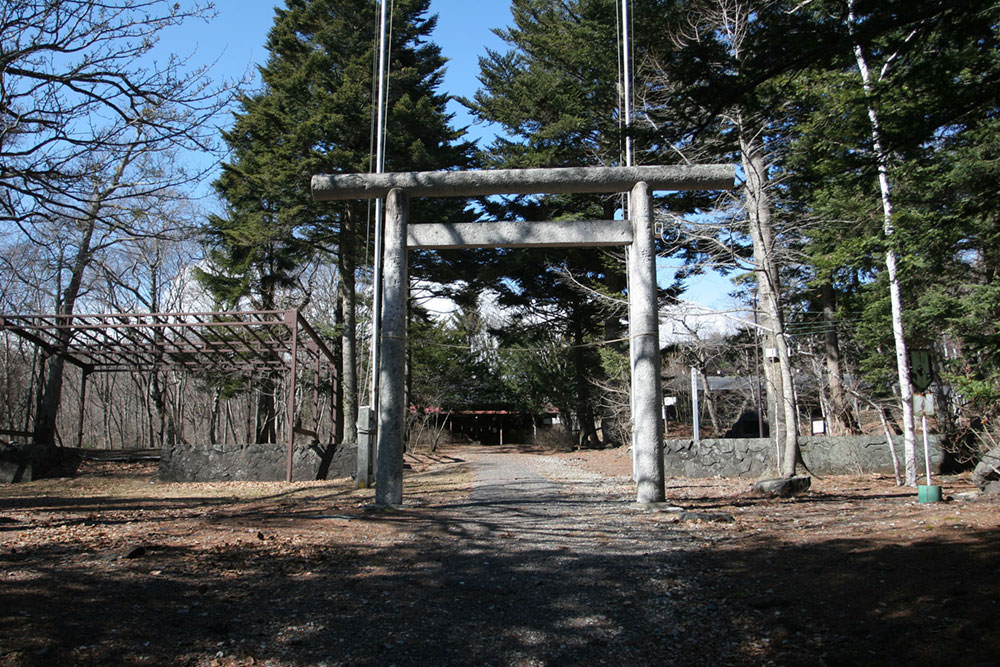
644 332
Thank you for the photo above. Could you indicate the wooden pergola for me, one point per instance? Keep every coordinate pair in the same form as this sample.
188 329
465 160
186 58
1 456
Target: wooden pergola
260 341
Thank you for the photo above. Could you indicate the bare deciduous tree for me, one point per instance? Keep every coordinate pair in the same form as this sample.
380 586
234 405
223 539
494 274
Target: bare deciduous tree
728 23
77 81
90 128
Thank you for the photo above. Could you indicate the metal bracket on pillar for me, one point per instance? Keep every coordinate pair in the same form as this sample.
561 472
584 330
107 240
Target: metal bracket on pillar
366 429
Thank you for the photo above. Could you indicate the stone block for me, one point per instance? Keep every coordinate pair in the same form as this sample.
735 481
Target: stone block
25 462
784 487
755 457
988 469
14 471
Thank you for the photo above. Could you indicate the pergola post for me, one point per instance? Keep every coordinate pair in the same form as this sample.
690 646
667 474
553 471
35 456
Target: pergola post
647 418
292 320
392 361
84 372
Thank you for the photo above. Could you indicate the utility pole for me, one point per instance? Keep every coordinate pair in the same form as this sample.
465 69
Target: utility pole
369 427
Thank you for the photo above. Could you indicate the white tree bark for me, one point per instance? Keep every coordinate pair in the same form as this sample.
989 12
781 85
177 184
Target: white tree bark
902 360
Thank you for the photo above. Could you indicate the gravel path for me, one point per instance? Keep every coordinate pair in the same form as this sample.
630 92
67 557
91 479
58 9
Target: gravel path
513 497
549 566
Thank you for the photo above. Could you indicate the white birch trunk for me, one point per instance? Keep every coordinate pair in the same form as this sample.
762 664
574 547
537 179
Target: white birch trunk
902 360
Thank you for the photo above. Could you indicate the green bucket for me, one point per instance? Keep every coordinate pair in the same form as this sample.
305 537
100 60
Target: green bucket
929 493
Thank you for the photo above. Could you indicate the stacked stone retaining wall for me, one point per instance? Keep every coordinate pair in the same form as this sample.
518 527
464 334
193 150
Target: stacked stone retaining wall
253 462
824 455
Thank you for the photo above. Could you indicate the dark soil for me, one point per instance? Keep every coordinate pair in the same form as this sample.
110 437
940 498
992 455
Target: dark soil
501 556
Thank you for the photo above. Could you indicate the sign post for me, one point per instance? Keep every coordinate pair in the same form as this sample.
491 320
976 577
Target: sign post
923 405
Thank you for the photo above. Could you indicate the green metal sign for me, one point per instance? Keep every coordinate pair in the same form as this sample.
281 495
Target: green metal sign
920 369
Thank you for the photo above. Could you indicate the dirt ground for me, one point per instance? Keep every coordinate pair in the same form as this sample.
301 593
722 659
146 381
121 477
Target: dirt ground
500 556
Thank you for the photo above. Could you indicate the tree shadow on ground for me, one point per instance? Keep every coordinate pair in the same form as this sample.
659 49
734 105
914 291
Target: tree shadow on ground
459 585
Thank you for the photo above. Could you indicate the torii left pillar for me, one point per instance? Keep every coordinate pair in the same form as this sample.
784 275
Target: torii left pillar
392 374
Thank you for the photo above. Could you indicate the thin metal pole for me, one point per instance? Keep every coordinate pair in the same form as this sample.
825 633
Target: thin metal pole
695 408
627 83
627 199
756 365
380 118
292 319
927 448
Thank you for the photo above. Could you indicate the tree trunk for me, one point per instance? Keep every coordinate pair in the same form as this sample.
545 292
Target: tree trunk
213 421
348 379
51 389
779 380
842 422
895 296
713 413
251 416
584 414
266 429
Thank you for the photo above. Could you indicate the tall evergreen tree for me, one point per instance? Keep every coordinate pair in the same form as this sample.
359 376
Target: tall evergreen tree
555 93
883 161
313 114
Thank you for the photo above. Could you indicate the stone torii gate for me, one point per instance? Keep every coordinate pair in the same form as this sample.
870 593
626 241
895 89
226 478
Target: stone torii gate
636 233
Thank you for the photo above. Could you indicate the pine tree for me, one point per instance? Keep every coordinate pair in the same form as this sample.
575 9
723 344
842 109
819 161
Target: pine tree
555 93
313 114
882 159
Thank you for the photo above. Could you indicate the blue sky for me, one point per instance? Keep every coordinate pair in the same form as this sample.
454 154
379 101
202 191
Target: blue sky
234 41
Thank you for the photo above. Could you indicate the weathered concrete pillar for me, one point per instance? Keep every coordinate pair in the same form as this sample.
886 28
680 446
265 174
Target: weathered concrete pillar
647 419
366 429
392 362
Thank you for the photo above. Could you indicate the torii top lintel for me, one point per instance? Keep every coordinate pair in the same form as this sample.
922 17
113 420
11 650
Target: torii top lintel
328 187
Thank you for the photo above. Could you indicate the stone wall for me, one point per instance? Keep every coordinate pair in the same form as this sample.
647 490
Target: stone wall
824 455
256 462
24 462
